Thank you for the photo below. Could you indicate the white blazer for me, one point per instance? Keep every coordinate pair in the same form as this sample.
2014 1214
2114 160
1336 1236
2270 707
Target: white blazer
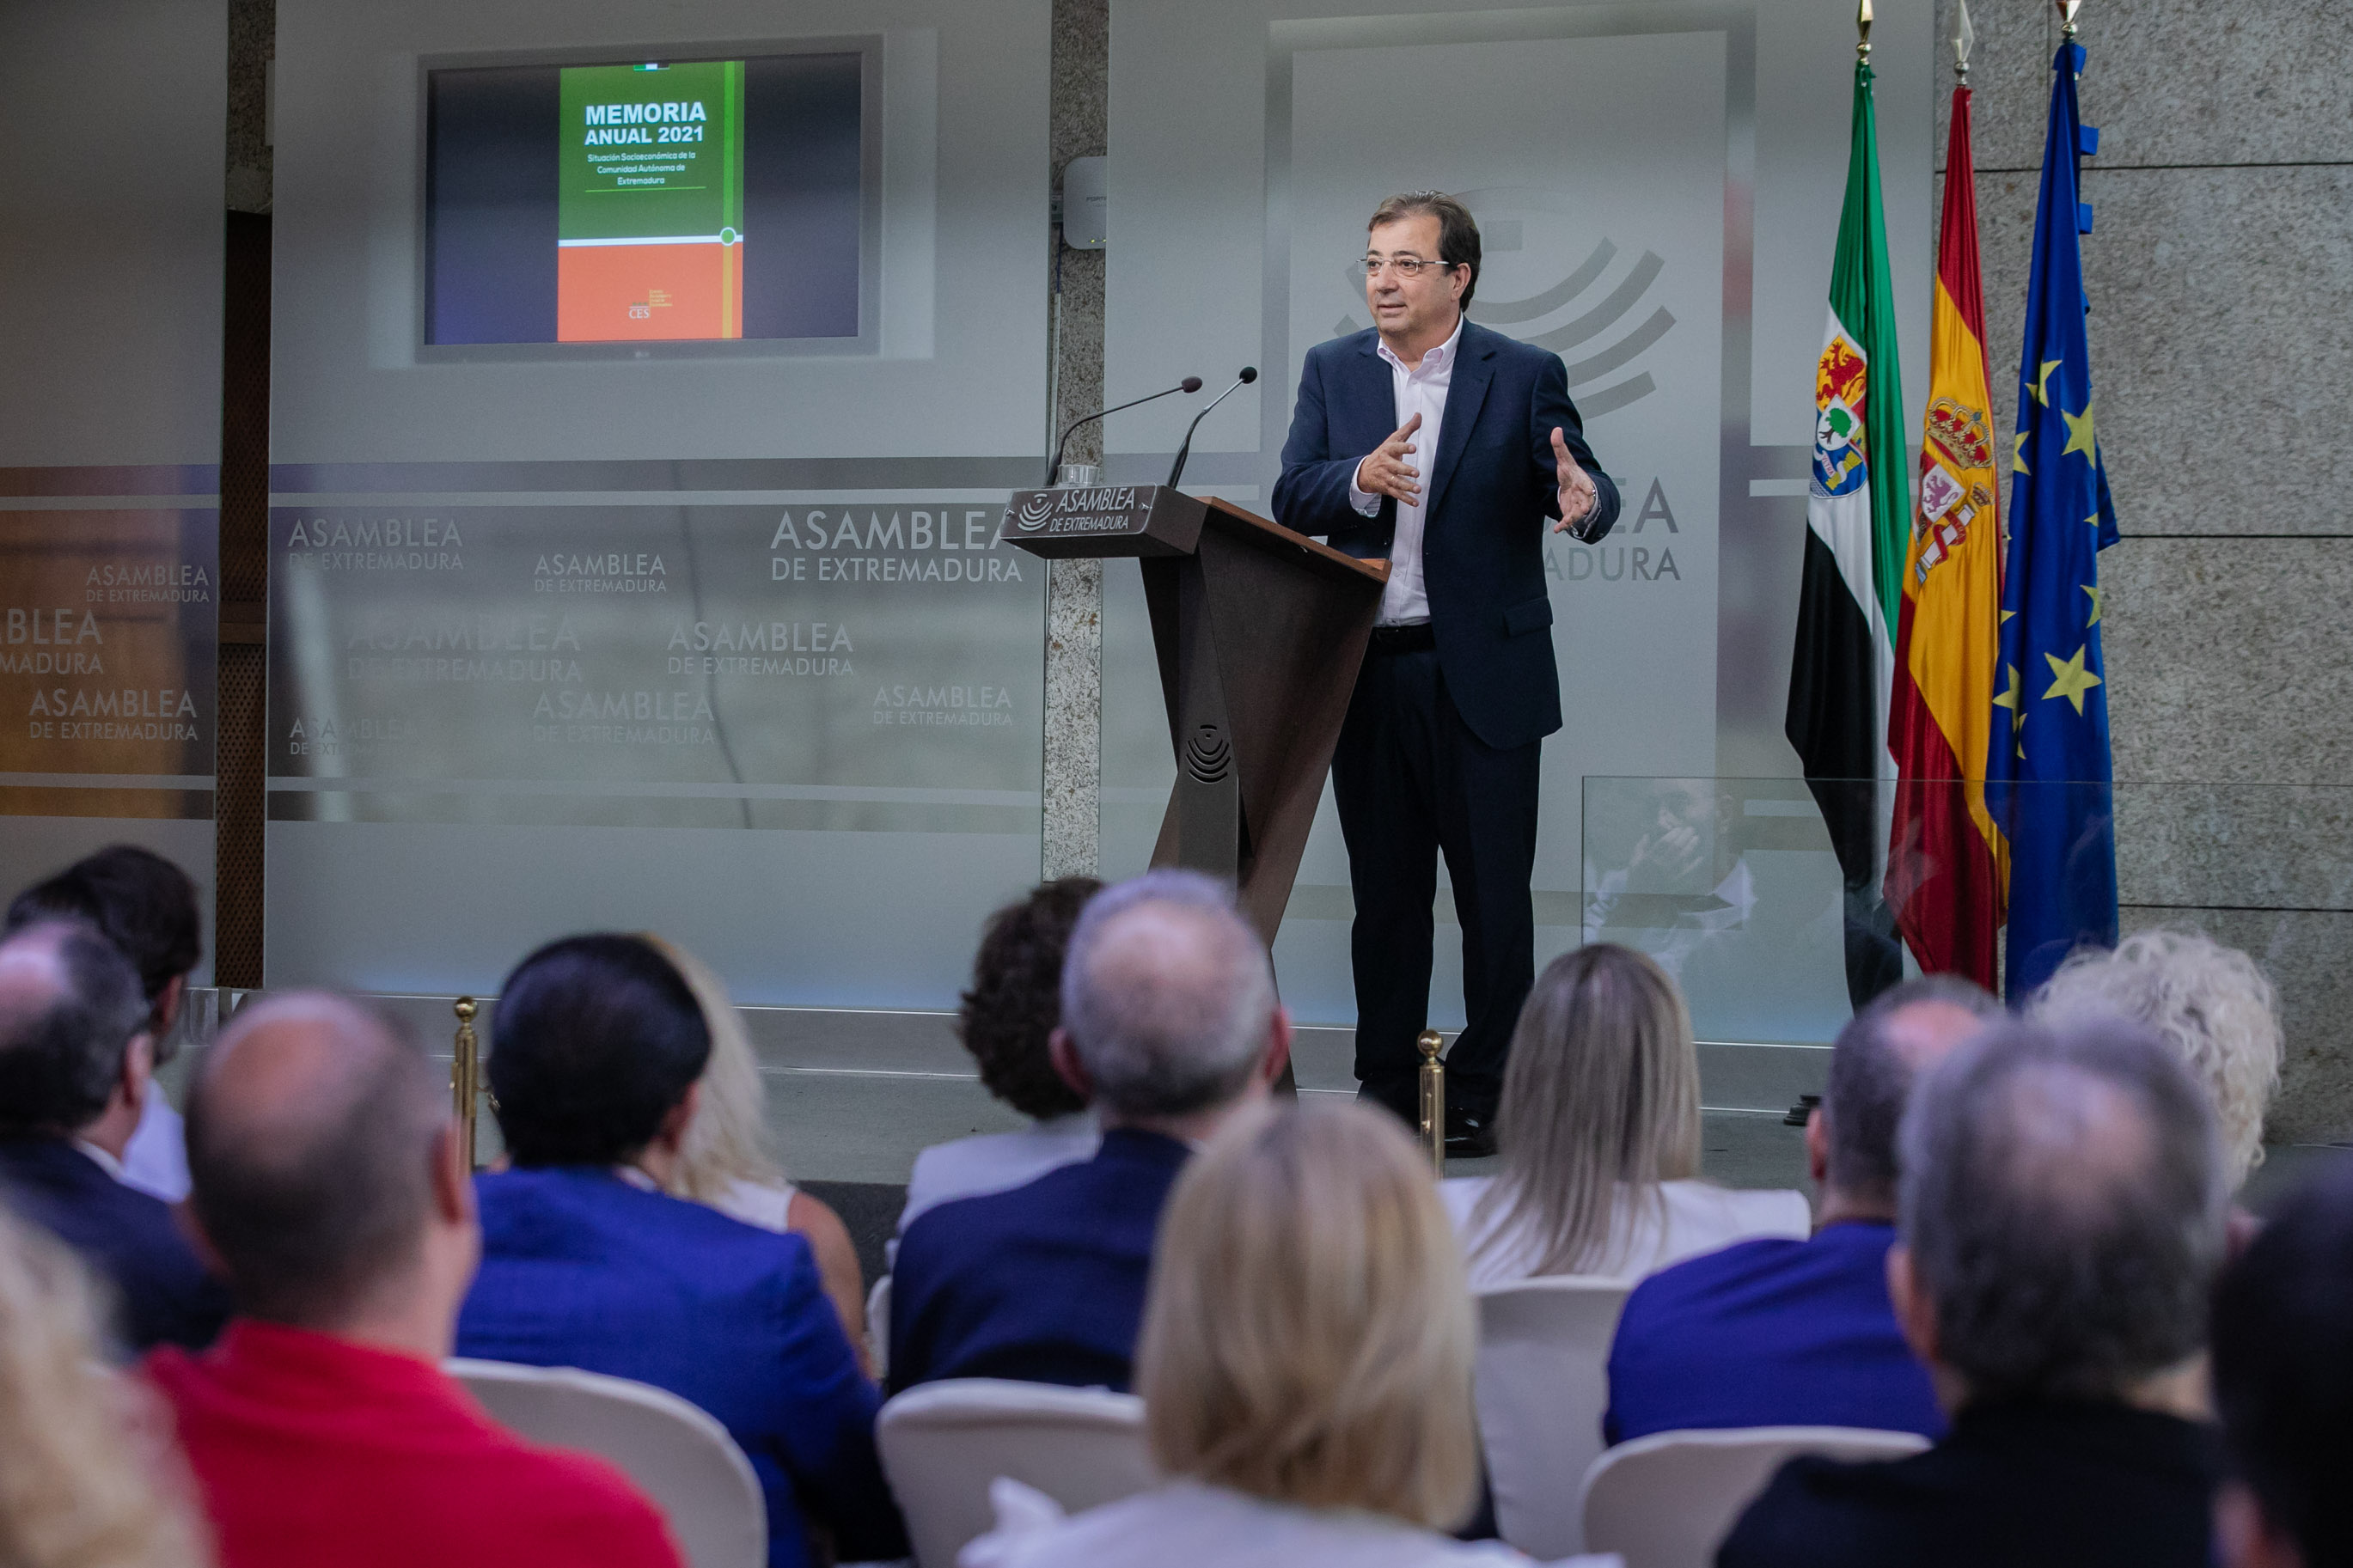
1186 1524
1692 1217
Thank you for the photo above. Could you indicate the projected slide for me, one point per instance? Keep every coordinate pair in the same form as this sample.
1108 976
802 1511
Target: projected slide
649 216
679 201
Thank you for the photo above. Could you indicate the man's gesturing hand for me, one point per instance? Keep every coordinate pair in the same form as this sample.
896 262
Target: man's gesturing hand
1577 495
1386 472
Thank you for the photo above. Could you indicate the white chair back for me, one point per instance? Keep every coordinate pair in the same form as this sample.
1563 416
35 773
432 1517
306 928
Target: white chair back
674 1452
943 1443
1669 1500
1542 1383
878 1328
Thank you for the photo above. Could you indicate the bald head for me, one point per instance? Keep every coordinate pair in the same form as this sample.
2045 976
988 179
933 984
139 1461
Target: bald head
70 1006
1879 1056
1167 997
2063 1205
312 1134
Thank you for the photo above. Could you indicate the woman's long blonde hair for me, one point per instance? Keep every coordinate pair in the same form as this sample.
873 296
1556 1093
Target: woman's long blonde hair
1308 1333
728 1139
88 1475
1603 1093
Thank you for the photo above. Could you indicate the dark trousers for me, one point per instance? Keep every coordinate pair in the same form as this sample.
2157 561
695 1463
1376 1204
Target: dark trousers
1412 782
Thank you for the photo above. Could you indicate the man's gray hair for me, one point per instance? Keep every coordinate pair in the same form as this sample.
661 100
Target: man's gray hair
2063 1203
2211 1004
64 1035
1166 994
1871 1082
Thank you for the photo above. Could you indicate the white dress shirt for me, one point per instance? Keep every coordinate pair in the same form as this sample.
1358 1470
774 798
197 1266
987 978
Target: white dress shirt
157 1159
1691 1218
1421 390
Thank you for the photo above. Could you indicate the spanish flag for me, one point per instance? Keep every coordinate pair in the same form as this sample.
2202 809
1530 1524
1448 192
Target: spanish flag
1947 871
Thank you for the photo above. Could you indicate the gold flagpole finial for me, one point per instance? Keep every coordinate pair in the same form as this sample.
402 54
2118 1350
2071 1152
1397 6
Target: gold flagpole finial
1963 36
1862 32
2067 9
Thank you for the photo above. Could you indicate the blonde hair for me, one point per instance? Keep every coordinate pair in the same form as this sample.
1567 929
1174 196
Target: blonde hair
1602 1093
728 1139
1308 1333
89 1479
2210 1004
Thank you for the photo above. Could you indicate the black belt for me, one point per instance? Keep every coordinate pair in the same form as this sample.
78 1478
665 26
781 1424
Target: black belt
1415 636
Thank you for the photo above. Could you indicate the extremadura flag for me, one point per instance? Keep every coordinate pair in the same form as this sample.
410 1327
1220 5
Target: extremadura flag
1945 859
2048 784
1858 513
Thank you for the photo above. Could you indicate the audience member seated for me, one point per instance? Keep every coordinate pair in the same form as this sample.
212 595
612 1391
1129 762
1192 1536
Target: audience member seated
2284 1383
91 1479
726 1162
321 1428
74 1065
2210 1003
1169 1027
2060 1221
587 1262
1306 1367
146 907
1014 1006
1598 1131
1777 1332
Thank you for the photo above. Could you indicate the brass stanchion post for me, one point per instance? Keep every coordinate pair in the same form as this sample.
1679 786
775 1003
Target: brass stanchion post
1433 1098
466 1078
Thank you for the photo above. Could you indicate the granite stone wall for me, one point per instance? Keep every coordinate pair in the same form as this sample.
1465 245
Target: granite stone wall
1080 120
2218 267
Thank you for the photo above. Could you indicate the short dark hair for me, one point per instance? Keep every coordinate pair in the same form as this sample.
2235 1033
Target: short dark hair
62 1053
2283 1367
1016 998
306 1219
1870 1083
140 901
2063 1203
595 1039
1458 231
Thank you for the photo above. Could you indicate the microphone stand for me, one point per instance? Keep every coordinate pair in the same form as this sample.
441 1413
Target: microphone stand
1249 374
1054 466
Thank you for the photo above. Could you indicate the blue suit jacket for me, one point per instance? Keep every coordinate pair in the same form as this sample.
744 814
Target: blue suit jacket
1488 494
1769 1334
579 1269
1043 1283
126 1236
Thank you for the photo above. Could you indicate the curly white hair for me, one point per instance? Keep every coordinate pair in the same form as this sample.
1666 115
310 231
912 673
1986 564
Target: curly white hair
2211 1004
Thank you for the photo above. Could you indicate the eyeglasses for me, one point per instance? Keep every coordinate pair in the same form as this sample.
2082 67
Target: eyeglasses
1407 268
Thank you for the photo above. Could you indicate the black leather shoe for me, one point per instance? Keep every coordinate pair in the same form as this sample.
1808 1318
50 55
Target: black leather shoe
1469 1134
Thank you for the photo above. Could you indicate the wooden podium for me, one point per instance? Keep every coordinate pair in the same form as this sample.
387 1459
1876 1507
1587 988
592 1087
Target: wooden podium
1259 632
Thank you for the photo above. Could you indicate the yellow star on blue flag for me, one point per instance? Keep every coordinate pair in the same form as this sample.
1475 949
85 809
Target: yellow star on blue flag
2047 771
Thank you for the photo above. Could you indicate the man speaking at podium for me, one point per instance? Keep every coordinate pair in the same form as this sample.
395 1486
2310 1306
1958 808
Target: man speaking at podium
1444 447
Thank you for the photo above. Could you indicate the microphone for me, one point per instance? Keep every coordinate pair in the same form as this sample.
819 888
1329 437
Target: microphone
1190 384
1249 374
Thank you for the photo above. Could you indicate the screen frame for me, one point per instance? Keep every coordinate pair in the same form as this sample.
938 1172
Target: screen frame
867 344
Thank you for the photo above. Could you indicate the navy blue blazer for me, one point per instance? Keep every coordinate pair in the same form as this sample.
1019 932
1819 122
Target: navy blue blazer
580 1268
1771 1332
1042 1283
1489 495
125 1236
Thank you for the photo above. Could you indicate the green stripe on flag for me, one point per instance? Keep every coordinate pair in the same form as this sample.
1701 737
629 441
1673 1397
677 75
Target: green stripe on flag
1863 298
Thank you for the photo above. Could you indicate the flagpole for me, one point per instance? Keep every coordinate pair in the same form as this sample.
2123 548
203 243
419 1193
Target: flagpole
1963 36
1862 32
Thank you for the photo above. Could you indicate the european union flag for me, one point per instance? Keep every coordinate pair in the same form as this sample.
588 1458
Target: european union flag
2047 771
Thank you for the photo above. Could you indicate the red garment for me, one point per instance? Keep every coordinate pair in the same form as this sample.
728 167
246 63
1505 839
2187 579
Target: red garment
313 1450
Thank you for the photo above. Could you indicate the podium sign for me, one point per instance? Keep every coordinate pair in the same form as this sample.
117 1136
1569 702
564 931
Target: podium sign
1103 520
1259 632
